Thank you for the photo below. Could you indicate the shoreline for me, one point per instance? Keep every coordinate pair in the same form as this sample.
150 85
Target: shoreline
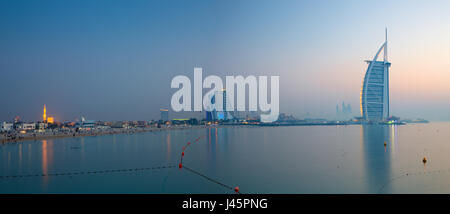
18 137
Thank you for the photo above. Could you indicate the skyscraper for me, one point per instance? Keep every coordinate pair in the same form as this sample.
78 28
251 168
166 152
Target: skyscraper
164 114
375 88
213 112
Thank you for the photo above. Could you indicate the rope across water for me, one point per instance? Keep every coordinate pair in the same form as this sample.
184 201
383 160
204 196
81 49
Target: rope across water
128 170
88 172
410 174
180 165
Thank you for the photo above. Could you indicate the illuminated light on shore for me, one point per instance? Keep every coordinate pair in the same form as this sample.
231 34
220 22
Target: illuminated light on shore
50 120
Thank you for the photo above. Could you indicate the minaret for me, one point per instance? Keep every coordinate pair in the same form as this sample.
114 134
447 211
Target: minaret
44 116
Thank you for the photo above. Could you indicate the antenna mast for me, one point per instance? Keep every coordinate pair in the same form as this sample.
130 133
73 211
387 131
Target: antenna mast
385 46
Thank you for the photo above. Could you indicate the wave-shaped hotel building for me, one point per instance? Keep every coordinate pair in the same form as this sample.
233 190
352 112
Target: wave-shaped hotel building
375 88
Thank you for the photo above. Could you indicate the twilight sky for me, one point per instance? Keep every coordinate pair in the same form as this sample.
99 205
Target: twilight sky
114 60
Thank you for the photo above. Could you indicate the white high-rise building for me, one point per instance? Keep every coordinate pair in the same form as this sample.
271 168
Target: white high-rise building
375 88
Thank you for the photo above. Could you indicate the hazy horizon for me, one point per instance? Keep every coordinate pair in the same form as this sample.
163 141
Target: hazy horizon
114 60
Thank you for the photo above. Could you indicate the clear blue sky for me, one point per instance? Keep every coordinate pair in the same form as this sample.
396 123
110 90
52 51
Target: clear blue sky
114 60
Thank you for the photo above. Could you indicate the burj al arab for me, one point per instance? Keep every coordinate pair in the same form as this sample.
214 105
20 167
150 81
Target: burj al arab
374 97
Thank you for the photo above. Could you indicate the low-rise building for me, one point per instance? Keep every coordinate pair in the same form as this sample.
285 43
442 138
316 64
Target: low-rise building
26 126
86 123
41 125
119 124
5 127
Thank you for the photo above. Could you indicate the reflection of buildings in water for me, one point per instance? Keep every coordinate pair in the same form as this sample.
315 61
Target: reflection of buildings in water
212 134
47 157
82 148
217 142
29 154
44 157
168 141
213 141
224 139
377 158
394 139
114 142
20 157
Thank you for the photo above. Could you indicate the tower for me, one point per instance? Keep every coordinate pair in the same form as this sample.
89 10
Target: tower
44 116
164 115
375 90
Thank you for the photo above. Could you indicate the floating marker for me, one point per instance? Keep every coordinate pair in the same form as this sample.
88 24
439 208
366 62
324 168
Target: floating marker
236 189
424 160
189 143
180 165
182 154
385 143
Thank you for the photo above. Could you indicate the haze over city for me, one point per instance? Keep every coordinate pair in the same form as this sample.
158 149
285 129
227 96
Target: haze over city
114 60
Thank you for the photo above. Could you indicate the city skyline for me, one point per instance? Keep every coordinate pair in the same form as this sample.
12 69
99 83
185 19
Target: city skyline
113 60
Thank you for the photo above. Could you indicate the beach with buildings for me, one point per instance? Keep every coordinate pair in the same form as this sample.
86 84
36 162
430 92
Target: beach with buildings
18 130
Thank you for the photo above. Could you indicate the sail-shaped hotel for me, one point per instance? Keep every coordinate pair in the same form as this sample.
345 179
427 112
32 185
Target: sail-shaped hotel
375 88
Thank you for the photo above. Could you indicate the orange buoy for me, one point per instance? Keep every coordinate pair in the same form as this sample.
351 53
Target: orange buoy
180 165
236 189
182 153
424 160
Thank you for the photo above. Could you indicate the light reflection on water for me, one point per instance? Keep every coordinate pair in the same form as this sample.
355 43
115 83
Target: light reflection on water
311 159
377 157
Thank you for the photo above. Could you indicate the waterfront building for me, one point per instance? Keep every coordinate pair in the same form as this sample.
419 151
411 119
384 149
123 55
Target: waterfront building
118 124
17 119
374 97
41 125
25 126
86 123
5 127
50 120
209 116
345 113
142 124
225 113
164 114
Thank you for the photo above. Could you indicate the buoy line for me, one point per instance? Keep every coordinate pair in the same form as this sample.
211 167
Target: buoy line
180 166
87 172
236 189
412 174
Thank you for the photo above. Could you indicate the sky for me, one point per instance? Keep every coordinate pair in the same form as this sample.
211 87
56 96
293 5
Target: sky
114 60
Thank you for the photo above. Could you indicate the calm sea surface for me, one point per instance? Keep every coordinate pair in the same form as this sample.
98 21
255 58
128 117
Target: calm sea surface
309 159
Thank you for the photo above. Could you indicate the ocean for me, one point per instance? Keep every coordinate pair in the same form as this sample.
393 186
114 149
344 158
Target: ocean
294 159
